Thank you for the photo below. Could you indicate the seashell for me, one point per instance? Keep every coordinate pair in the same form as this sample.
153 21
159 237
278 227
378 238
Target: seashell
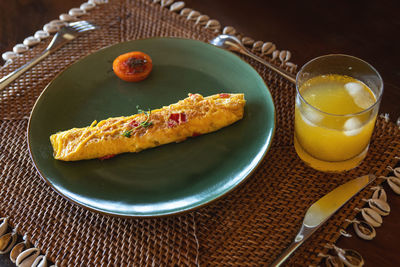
166 3
156 1
7 241
379 193
247 41
58 23
350 258
372 217
291 65
17 249
284 56
202 19
9 55
98 2
185 12
396 171
67 17
229 30
27 257
76 12
333 261
87 6
213 24
344 233
257 45
177 6
41 34
379 206
40 261
268 48
193 15
364 230
31 41
50 28
394 183
20 48
275 54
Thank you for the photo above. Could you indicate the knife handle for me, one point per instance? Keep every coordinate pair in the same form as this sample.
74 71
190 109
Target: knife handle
286 254
302 235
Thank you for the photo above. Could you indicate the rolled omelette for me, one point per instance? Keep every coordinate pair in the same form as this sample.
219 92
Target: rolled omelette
195 115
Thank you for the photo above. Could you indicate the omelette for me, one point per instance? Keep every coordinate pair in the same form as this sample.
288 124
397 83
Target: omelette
192 116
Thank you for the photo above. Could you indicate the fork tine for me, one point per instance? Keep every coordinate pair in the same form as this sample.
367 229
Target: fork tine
80 24
80 27
76 27
86 27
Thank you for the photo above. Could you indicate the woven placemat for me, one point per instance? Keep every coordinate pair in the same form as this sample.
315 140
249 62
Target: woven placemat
250 226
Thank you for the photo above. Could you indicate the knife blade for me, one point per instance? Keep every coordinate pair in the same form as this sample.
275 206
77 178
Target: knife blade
319 212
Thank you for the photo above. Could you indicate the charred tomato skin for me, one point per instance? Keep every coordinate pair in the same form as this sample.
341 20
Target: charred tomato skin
133 66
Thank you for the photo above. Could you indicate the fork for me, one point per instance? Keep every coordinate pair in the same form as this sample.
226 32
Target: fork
64 35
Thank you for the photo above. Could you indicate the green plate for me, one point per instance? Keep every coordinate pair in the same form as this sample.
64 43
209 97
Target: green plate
164 180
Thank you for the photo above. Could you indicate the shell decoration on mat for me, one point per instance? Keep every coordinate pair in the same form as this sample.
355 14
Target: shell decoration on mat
40 34
166 3
363 229
393 181
193 15
371 216
396 171
51 28
22 254
7 242
3 225
27 257
379 206
348 257
20 48
67 17
379 193
263 48
177 6
31 41
331 261
18 248
344 233
185 12
40 261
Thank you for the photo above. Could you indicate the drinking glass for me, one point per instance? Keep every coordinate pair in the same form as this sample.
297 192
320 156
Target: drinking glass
333 141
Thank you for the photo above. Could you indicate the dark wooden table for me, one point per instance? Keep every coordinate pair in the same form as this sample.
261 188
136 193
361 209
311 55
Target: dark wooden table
366 29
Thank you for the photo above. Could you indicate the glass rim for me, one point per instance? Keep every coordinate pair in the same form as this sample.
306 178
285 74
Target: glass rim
378 99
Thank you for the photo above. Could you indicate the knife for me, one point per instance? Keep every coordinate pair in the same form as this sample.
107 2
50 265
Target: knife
322 210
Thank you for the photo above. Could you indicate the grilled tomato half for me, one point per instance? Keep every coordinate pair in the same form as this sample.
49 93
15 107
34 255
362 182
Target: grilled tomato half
133 66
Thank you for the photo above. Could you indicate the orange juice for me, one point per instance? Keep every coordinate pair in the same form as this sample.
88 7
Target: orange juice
333 122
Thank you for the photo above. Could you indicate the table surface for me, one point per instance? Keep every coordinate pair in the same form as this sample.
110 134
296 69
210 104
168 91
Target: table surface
366 29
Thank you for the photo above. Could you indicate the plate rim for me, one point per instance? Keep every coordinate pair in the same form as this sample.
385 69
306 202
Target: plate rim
159 214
